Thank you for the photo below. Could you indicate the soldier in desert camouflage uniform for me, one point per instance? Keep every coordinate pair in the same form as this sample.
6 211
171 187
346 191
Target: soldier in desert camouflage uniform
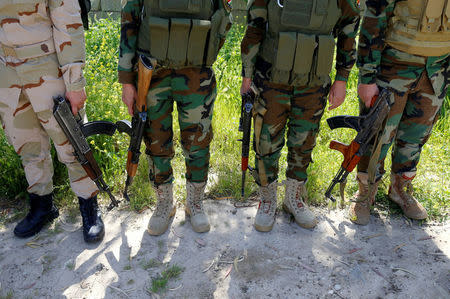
288 53
42 56
404 46
182 38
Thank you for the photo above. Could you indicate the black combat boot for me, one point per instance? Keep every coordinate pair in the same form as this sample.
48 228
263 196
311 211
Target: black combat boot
41 212
93 227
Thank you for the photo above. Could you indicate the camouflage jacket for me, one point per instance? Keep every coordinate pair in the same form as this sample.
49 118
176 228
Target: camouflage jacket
345 30
372 49
130 21
35 28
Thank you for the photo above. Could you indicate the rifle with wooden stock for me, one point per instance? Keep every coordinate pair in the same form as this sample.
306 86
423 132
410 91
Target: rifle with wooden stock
368 126
135 129
77 132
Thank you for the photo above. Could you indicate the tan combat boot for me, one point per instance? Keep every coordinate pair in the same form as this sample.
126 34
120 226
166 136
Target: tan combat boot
265 216
362 201
194 206
294 203
159 222
397 193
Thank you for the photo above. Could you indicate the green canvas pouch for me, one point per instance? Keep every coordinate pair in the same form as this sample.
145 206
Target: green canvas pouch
178 42
285 57
324 58
197 42
180 6
159 37
219 23
304 54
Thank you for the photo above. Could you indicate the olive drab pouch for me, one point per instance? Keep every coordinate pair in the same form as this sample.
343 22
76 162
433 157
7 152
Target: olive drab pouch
308 14
159 37
446 17
219 27
285 57
304 54
432 15
180 6
197 41
178 41
323 59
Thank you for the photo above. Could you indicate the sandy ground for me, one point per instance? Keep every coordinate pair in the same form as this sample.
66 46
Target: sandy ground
390 258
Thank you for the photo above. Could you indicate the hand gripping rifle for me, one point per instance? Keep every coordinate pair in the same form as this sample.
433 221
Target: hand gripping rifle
245 126
77 132
368 126
135 129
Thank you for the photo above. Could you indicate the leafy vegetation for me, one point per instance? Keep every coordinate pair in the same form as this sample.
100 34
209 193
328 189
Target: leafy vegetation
104 102
159 283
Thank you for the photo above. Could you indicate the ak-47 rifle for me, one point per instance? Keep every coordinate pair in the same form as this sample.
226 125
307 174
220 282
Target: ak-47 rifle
135 129
368 126
77 132
245 126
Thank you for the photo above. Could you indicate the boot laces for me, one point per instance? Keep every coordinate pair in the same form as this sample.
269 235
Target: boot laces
195 201
295 197
265 204
164 203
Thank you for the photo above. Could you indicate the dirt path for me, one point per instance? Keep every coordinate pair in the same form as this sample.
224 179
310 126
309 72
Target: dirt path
389 258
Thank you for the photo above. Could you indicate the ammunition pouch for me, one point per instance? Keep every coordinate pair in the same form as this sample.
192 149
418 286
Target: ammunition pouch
303 59
183 42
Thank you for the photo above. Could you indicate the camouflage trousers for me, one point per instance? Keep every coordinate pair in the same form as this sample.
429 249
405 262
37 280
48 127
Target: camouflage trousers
194 91
418 88
301 109
27 89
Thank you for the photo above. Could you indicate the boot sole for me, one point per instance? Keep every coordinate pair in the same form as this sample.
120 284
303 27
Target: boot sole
202 229
286 209
159 233
50 217
95 239
263 229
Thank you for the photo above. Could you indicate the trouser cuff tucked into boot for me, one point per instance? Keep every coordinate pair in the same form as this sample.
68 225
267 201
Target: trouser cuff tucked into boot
165 210
194 206
93 227
400 192
42 211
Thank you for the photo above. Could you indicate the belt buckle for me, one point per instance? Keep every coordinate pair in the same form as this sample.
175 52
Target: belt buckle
9 51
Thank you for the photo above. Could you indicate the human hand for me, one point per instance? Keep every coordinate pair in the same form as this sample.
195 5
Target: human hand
129 97
246 85
337 94
367 92
76 99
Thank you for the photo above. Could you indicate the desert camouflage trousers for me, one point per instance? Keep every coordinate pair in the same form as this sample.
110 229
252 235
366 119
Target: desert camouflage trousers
194 91
418 86
300 108
27 89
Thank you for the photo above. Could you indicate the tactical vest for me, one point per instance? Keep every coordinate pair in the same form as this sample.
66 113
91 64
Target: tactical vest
420 27
299 41
182 33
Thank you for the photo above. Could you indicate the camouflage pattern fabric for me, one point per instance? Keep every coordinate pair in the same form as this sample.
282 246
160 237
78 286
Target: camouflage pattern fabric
345 31
419 86
301 108
41 56
194 91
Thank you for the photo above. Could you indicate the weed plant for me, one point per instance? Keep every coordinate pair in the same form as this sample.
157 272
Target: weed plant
104 103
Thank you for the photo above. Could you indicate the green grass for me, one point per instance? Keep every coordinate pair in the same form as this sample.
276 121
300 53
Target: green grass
159 283
104 102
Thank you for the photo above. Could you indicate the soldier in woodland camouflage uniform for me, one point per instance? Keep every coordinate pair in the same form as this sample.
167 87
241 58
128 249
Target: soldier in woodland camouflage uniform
182 38
288 53
404 46
42 56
